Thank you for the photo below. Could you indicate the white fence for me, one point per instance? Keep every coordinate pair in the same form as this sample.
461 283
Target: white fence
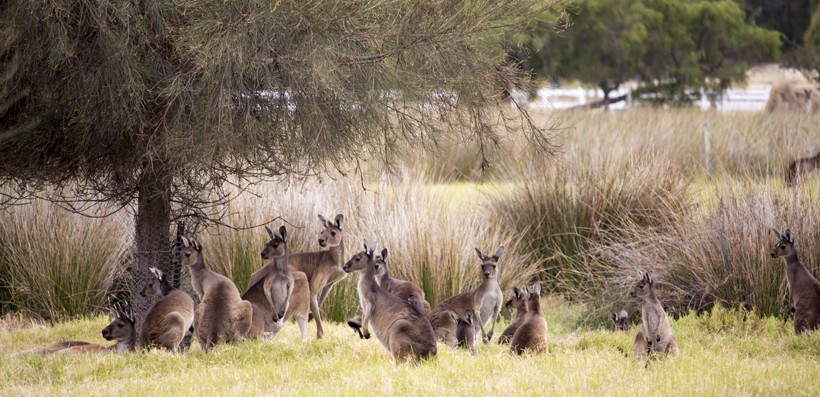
735 99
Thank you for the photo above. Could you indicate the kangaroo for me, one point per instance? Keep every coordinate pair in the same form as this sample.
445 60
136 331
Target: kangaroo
169 319
397 324
804 288
655 335
800 169
402 289
323 269
121 330
222 316
485 302
298 305
519 303
620 321
465 332
532 334
269 288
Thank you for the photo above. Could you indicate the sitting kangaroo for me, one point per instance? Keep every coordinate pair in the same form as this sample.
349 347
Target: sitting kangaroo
398 325
620 321
121 329
270 287
484 301
532 334
655 336
804 288
170 318
465 332
400 288
222 316
518 302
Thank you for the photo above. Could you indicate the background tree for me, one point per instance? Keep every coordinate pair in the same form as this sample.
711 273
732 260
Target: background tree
158 105
807 57
789 17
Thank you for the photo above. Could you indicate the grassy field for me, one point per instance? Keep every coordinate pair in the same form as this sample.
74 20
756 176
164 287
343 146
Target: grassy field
722 353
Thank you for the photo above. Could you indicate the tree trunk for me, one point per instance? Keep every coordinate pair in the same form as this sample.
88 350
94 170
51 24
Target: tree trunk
153 243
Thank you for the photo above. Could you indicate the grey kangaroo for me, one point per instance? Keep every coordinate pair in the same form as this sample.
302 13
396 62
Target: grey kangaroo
805 290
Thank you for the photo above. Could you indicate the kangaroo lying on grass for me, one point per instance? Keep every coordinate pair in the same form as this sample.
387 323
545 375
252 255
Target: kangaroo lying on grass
532 334
397 323
655 336
400 288
169 320
484 301
518 302
221 316
800 169
620 321
269 288
804 288
121 329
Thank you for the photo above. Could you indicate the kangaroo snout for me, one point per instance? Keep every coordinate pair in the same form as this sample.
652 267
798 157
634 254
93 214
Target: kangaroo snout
774 255
322 242
106 333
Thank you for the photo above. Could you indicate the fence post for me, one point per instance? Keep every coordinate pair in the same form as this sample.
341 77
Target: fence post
707 148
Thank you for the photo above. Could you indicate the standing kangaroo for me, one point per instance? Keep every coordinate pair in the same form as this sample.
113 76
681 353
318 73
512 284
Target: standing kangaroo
121 330
400 288
518 302
620 321
397 323
655 336
485 302
532 334
323 269
222 316
270 287
800 169
804 288
465 332
169 319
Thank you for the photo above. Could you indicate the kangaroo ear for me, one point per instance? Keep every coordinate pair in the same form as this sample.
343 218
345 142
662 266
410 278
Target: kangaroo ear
339 219
613 316
374 247
185 242
364 242
324 221
517 292
384 255
788 235
283 232
623 314
498 252
777 234
480 255
270 233
536 288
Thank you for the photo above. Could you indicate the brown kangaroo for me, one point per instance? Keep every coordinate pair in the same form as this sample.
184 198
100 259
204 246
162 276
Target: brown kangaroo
221 316
485 302
323 269
805 290
655 336
620 321
121 330
400 288
518 302
532 334
397 323
800 169
465 332
270 287
169 320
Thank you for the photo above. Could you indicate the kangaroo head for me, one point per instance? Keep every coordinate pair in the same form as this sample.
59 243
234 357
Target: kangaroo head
278 244
518 301
191 253
468 317
785 244
331 234
361 260
122 328
620 321
154 286
643 287
381 270
489 264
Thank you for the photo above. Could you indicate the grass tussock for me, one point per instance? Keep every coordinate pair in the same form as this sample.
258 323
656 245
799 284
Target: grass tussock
57 265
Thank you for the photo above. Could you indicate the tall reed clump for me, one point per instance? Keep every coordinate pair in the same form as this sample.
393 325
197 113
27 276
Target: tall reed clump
720 257
57 264
562 209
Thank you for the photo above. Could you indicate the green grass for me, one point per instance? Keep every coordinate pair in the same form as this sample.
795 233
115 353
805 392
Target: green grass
725 353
